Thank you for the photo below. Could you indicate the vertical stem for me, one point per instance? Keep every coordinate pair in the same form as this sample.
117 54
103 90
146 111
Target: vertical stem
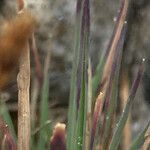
23 81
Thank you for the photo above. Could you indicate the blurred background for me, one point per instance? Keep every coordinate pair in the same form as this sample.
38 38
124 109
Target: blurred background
55 33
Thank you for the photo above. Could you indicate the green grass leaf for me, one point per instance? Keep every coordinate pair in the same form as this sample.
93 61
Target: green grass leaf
78 94
45 133
120 125
72 112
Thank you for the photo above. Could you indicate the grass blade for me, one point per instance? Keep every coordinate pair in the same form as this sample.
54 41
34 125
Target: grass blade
97 112
107 58
112 91
108 73
45 133
139 141
72 112
82 112
120 126
89 107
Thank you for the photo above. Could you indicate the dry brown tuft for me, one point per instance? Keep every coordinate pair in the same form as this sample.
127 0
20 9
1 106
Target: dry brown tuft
13 38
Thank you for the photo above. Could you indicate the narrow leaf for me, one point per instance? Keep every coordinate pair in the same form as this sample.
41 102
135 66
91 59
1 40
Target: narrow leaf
139 141
107 58
120 125
108 73
112 91
44 132
72 112
84 48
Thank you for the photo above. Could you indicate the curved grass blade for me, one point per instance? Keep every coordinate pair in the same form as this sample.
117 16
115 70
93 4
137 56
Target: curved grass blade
109 53
139 141
112 91
111 70
120 126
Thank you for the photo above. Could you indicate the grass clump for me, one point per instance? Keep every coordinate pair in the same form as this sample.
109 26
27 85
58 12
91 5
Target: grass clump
93 122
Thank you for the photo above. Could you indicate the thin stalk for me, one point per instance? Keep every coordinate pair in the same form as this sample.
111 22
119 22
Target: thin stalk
23 81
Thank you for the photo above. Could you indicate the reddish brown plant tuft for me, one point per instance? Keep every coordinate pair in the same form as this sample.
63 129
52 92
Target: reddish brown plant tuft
58 140
13 38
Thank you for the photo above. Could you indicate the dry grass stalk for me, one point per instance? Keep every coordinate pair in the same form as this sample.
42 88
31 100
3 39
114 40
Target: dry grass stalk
111 55
23 81
124 93
108 65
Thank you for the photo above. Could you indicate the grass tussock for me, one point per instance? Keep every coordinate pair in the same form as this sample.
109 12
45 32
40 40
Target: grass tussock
93 119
